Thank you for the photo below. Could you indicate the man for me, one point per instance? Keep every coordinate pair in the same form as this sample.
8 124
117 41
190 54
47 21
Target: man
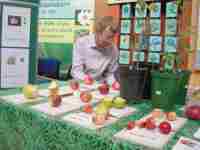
96 55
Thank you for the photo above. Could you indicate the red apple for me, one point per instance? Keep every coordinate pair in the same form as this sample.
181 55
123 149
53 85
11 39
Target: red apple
130 125
116 86
193 112
88 109
88 80
74 85
104 89
165 127
56 101
141 124
150 124
86 97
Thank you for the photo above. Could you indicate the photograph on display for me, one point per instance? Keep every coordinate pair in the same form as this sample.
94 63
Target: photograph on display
155 26
155 43
170 44
126 11
138 56
124 57
155 12
171 9
124 41
170 26
16 22
154 58
141 42
125 26
83 17
140 13
139 24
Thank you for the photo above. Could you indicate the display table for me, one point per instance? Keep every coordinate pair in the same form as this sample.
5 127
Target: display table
24 128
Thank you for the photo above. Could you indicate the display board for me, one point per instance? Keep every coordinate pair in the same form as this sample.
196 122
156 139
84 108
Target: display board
59 25
18 42
147 34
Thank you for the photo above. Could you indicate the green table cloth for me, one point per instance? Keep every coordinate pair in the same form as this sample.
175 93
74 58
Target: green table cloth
22 128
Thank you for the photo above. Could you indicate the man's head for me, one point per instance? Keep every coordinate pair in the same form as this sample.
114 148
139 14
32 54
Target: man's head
105 30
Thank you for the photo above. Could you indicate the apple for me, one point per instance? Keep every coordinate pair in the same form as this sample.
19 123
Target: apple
141 124
165 127
116 86
119 102
193 112
130 125
104 89
156 113
100 115
150 124
30 91
53 88
107 101
87 109
88 80
86 97
74 85
56 100
171 116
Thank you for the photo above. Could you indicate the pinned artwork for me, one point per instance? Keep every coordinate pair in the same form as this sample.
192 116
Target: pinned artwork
138 56
155 26
124 57
155 43
139 12
171 9
126 11
170 44
125 26
154 58
155 9
170 26
124 41
139 24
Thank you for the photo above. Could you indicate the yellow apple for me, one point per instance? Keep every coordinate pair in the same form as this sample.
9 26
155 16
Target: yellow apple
30 91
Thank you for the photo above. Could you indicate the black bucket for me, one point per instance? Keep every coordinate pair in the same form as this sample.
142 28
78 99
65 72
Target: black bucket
135 82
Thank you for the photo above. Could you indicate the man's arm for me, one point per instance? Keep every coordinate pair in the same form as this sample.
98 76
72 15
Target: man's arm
77 71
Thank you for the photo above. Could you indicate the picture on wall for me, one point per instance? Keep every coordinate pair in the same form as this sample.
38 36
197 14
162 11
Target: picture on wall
155 43
139 25
154 58
126 11
170 44
171 9
155 11
155 26
141 42
139 12
124 41
125 26
83 17
16 23
170 26
124 57
138 56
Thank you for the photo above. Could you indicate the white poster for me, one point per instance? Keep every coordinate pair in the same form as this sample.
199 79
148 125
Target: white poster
14 67
16 23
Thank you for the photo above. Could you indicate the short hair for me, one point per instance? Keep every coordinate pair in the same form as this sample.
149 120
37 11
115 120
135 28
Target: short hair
106 23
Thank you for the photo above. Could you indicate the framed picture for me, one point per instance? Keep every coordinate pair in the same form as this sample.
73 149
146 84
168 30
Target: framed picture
139 12
124 41
155 11
170 44
154 58
125 26
138 56
155 43
139 25
170 26
171 9
126 11
155 26
124 57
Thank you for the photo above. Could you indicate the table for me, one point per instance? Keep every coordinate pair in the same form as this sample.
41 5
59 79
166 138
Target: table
22 128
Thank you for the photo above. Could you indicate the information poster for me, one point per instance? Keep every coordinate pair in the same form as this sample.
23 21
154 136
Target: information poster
16 26
61 22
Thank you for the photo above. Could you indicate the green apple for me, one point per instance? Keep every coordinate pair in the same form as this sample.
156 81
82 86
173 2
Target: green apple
30 91
107 101
119 102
